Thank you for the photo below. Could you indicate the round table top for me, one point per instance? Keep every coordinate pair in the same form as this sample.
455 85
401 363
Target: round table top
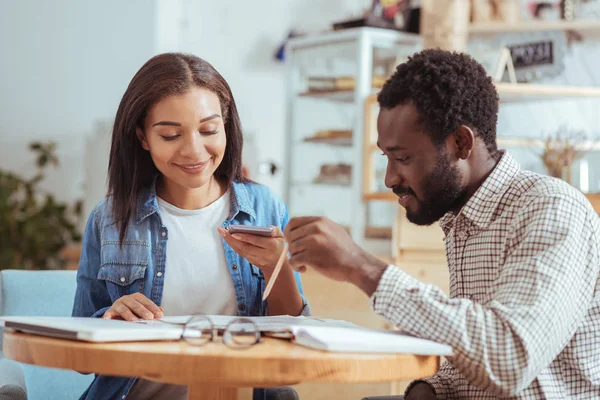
273 362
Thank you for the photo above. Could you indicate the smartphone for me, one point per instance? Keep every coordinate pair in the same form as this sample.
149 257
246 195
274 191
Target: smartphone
252 230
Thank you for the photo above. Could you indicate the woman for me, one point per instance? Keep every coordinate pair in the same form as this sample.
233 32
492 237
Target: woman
158 244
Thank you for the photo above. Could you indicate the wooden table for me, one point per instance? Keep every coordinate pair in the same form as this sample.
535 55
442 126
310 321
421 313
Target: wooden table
215 371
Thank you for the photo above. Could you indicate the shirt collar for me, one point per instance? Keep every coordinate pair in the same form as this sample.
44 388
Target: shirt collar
147 203
482 206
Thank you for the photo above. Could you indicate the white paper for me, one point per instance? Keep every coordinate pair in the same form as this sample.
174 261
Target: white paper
352 340
264 324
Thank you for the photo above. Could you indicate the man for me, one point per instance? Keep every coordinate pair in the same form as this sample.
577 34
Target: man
523 316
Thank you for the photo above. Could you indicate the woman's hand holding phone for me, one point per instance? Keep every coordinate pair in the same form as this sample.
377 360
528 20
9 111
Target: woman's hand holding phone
262 251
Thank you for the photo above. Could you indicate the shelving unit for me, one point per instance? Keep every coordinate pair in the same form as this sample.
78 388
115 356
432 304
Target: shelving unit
365 47
360 53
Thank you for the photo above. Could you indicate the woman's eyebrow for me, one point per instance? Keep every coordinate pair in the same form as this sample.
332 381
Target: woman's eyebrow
171 123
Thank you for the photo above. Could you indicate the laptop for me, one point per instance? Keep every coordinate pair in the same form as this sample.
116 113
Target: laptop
91 329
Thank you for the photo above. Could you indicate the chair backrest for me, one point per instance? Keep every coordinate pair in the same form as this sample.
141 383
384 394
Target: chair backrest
43 293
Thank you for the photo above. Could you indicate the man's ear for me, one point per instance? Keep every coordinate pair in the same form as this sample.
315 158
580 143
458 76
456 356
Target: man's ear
142 138
463 141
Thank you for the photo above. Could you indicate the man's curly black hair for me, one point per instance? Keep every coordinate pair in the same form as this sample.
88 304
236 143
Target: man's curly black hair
448 89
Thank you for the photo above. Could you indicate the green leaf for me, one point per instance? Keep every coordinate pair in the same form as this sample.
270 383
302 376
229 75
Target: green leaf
42 160
78 208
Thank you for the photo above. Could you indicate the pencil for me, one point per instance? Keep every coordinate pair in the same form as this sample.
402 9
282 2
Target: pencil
275 272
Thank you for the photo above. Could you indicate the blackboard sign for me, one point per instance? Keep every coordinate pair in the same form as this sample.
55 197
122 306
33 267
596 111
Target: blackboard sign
532 54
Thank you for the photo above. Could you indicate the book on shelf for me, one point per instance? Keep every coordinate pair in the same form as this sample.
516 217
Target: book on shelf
324 83
335 174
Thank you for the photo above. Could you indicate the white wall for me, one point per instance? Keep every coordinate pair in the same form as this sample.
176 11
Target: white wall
65 64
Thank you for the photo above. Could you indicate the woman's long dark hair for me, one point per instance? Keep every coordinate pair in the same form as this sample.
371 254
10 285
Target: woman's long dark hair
130 167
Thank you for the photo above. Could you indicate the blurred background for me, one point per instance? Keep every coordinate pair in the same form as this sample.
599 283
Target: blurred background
304 74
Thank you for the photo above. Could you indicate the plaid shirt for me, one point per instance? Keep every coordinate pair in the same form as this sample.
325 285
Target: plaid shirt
523 316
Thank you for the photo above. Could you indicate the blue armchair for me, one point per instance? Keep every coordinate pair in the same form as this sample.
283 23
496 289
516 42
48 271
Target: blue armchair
44 293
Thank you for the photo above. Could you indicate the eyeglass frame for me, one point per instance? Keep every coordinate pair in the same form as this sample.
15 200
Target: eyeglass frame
215 332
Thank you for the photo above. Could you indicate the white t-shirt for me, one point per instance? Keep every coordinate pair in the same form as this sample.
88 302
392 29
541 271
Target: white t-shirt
197 277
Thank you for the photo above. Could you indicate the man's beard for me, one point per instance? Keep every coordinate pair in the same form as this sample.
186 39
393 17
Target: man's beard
442 191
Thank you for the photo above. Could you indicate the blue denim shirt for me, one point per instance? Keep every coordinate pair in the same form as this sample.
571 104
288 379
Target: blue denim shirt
107 271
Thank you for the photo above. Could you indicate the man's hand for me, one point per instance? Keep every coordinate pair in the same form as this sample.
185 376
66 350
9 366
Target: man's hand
421 391
319 243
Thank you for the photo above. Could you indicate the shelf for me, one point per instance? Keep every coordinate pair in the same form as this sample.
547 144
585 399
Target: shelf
319 184
594 198
586 145
511 92
386 196
346 142
346 96
534 26
508 92
336 138
341 83
380 38
378 232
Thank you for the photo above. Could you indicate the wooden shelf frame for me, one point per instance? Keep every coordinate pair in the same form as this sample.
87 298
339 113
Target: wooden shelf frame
582 25
511 92
594 198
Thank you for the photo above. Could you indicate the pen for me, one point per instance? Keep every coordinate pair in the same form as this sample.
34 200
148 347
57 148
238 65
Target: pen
275 272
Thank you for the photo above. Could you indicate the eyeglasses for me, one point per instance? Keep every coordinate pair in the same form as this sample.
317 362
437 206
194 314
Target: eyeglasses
239 333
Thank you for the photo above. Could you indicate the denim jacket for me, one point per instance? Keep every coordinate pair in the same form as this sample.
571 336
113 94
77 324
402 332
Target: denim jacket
107 271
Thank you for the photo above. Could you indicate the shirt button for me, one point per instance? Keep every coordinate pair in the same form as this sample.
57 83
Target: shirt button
164 233
243 307
234 267
462 235
159 274
122 279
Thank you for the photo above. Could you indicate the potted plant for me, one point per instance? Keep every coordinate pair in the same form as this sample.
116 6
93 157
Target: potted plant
561 150
35 228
